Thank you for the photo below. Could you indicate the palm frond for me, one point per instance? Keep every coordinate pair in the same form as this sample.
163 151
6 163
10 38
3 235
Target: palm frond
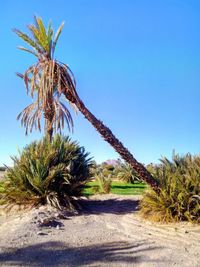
41 27
30 117
28 50
62 115
56 37
38 36
28 40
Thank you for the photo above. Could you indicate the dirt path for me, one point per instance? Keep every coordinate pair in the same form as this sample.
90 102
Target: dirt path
108 232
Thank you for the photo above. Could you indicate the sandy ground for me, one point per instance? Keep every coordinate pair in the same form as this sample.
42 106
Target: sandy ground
107 232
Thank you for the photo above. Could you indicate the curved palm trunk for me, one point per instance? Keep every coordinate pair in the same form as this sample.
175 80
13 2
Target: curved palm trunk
109 137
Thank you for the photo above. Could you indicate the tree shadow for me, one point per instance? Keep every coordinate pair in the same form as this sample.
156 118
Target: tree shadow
112 206
60 254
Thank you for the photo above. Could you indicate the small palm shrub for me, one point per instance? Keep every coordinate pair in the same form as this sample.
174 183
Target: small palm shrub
47 172
108 170
103 177
104 184
179 196
126 173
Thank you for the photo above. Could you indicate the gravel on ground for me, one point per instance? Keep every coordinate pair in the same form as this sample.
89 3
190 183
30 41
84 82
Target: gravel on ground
108 231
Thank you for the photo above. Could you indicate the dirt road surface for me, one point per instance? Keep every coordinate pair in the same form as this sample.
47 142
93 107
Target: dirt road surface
107 232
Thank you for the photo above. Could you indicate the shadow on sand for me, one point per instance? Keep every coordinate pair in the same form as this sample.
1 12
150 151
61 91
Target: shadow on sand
113 206
59 254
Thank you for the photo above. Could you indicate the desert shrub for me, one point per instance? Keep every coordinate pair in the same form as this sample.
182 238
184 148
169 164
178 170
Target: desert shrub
126 173
106 169
103 177
179 196
47 172
104 185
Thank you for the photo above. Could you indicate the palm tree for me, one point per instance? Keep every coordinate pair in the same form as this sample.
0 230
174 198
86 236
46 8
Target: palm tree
47 80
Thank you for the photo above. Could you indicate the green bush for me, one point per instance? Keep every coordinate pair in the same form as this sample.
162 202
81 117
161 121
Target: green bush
104 184
103 169
179 196
47 173
102 177
126 173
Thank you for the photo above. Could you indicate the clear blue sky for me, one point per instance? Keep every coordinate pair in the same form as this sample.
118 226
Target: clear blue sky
137 66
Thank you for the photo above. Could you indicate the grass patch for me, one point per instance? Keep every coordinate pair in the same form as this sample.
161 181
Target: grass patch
118 188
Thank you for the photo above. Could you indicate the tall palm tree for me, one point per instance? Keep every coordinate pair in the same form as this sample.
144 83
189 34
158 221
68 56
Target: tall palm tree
47 80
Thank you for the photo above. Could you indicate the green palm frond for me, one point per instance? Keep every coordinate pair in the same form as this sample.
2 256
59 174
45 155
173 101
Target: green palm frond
40 39
28 50
43 40
28 40
56 37
40 26
49 32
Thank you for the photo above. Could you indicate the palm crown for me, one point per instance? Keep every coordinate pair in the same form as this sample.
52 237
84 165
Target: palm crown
43 41
46 81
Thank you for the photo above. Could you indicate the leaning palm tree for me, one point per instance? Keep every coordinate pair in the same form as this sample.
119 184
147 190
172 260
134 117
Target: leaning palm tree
47 81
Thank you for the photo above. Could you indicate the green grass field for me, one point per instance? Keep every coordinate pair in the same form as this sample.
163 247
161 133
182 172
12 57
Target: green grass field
118 188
